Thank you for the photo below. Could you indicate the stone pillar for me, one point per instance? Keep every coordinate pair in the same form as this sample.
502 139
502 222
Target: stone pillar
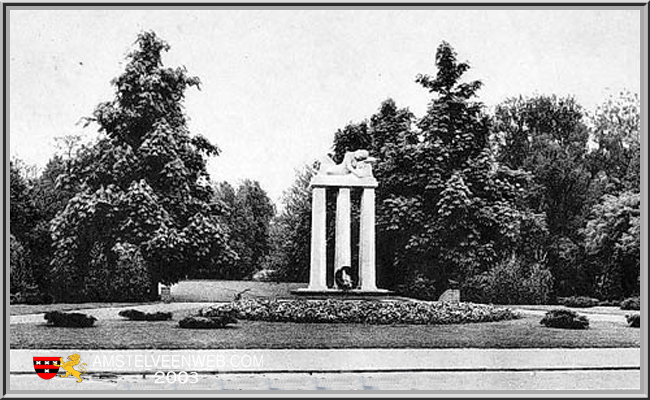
367 275
318 268
343 248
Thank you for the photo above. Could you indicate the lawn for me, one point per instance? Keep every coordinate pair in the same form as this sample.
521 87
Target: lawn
521 333
24 309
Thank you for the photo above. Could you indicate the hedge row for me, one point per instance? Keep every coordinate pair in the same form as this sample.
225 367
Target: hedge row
362 311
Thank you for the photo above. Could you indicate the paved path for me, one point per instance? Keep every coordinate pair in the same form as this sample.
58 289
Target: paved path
439 381
336 360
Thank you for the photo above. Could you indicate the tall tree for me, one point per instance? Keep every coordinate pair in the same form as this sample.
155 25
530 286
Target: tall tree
446 208
615 161
250 228
547 136
145 193
291 231
612 239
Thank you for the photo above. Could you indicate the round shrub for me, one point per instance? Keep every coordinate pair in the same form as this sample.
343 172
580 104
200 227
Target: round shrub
362 312
634 320
631 303
578 301
69 320
565 319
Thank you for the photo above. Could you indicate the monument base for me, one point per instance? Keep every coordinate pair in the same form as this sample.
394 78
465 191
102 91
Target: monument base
338 293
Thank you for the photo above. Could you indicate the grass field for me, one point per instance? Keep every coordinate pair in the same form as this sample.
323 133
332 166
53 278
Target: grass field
522 333
25 309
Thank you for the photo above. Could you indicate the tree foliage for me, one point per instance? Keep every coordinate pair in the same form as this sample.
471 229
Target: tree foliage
446 207
291 231
143 187
612 240
249 213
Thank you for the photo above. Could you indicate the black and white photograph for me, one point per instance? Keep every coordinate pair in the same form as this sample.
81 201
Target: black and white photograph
280 200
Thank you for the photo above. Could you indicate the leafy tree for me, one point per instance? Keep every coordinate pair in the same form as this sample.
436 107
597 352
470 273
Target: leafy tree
291 231
144 190
447 206
547 136
250 212
612 239
616 131
22 210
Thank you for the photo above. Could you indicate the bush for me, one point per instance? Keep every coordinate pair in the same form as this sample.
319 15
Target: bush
211 318
632 303
578 301
565 319
634 320
117 275
20 275
362 311
204 323
69 320
418 286
510 283
136 315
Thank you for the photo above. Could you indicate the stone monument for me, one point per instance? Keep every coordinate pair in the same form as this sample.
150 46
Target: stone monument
354 173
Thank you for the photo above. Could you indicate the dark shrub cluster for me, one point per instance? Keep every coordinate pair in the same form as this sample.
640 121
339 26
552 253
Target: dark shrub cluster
418 286
137 315
211 318
631 303
364 312
634 320
69 320
578 301
565 319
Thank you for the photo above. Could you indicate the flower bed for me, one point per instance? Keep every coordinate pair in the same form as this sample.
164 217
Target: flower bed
362 312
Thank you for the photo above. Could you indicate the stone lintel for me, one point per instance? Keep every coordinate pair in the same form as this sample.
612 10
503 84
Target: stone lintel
343 181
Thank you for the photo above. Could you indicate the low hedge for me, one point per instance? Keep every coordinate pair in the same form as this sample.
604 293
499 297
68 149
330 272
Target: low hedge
212 318
137 315
631 303
578 301
565 319
69 320
362 312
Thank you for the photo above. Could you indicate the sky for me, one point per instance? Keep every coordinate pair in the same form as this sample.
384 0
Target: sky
277 84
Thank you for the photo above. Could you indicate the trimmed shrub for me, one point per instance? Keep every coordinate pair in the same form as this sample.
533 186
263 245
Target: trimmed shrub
632 303
211 318
69 320
565 319
634 320
578 301
362 312
136 315
204 323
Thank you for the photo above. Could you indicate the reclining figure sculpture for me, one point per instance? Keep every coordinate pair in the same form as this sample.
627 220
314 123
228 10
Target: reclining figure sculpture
358 163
